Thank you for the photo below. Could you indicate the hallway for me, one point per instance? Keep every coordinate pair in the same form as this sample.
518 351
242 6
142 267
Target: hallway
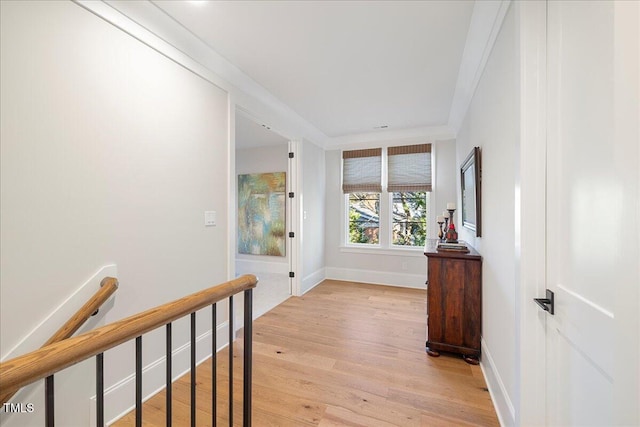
343 354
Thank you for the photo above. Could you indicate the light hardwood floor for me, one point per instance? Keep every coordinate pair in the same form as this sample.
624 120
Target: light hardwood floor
344 354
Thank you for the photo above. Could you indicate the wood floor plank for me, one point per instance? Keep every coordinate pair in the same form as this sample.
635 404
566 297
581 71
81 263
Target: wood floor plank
344 354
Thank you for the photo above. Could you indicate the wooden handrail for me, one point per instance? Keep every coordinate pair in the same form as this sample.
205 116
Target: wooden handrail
108 286
48 360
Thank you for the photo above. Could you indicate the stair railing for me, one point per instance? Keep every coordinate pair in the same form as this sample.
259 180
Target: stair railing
108 286
48 360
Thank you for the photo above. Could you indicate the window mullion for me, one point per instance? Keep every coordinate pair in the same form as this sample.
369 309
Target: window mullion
385 208
385 223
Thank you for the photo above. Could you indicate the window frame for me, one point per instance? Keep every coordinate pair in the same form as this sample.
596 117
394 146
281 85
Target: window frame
385 244
347 206
427 206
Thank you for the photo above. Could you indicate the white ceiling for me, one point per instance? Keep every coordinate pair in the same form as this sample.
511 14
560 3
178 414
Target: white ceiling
344 66
251 134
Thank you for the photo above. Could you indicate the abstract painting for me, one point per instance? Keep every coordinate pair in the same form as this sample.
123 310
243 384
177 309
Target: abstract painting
261 214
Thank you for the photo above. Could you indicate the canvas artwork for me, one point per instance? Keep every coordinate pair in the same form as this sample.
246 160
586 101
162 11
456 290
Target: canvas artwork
261 214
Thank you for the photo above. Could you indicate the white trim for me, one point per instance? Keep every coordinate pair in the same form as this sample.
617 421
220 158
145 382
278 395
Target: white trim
497 390
393 137
530 216
601 310
312 280
432 231
232 203
169 35
113 16
627 133
402 280
377 250
485 25
295 215
118 397
58 316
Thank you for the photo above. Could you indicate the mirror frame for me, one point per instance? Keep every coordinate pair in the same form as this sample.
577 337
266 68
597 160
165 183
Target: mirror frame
470 185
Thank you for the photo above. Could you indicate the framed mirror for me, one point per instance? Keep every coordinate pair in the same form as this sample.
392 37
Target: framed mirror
470 182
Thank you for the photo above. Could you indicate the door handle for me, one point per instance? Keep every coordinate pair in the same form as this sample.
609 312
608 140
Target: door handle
547 304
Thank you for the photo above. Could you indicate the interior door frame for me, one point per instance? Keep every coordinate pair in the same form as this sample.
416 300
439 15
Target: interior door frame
530 213
294 206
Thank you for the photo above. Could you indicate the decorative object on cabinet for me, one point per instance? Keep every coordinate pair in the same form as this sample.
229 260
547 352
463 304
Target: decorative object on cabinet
451 235
440 221
454 301
471 183
445 214
460 246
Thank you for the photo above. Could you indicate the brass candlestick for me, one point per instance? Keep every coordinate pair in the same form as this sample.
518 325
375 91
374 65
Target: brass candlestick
440 233
451 211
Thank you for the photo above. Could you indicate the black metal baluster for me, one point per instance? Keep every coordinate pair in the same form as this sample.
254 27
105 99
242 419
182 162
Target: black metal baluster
248 331
231 360
169 376
193 369
100 390
49 404
139 381
214 363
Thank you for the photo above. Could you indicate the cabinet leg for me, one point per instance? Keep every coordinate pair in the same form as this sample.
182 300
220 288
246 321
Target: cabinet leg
471 360
432 353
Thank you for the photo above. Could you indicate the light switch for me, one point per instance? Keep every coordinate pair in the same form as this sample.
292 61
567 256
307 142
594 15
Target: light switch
210 218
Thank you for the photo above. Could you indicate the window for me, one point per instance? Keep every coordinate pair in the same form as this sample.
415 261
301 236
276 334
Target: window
362 170
362 181
409 218
364 218
408 183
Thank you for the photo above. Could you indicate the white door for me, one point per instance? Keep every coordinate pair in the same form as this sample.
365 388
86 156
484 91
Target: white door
592 223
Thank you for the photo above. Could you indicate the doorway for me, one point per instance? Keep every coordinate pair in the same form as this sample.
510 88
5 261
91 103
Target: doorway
582 364
262 247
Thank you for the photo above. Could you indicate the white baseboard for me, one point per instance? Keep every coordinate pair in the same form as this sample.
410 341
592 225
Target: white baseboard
403 280
312 280
119 398
499 396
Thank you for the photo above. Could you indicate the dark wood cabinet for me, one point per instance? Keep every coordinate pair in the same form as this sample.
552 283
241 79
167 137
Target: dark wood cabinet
454 302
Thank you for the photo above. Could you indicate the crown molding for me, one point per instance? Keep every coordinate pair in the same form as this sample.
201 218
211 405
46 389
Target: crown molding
485 25
147 22
391 137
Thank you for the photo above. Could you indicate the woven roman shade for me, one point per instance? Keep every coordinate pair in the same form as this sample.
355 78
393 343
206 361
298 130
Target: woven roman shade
362 171
409 168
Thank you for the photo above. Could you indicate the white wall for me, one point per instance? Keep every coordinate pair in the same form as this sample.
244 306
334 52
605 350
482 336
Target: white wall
446 184
185 47
492 123
110 154
399 267
312 245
